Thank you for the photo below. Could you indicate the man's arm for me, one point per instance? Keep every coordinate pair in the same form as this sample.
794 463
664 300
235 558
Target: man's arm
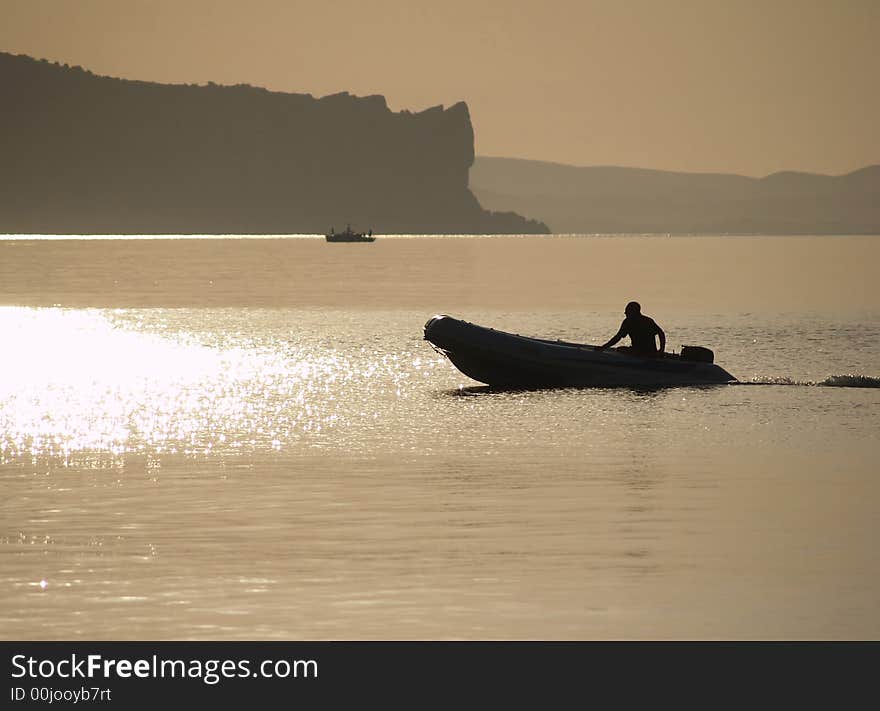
662 339
617 336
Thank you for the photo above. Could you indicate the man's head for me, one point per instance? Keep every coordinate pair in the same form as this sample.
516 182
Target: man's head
633 309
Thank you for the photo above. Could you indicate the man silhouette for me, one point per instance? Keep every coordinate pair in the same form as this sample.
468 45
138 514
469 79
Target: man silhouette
641 331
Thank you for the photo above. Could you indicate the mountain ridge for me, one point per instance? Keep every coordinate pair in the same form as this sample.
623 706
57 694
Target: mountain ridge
602 199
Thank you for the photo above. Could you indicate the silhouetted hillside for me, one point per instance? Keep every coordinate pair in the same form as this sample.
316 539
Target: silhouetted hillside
607 199
86 154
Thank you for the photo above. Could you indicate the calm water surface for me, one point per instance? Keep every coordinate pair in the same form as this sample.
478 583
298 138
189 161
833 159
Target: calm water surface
239 438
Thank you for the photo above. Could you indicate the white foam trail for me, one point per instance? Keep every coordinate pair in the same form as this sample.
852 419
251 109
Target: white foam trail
833 381
850 381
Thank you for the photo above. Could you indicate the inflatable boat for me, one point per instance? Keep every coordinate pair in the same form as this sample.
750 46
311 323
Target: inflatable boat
508 360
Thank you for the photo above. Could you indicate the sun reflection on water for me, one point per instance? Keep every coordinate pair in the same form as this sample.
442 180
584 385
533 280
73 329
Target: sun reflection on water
79 382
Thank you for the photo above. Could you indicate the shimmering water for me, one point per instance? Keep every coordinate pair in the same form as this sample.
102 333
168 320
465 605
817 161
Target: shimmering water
249 439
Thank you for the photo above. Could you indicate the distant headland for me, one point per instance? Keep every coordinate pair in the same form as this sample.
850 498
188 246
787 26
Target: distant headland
84 154
603 199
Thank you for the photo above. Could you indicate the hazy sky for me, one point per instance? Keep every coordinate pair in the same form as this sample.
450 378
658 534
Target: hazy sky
707 85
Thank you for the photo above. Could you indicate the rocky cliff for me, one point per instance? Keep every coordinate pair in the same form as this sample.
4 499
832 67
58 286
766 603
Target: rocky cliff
86 154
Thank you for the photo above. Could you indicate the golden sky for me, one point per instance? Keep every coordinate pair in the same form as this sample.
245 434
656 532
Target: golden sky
745 86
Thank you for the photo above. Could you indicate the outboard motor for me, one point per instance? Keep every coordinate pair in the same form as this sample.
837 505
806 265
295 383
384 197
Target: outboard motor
698 354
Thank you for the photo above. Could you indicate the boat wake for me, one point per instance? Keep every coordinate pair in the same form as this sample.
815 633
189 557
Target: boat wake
834 381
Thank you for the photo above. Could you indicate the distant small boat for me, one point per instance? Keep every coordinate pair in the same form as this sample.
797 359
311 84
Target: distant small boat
508 360
350 236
